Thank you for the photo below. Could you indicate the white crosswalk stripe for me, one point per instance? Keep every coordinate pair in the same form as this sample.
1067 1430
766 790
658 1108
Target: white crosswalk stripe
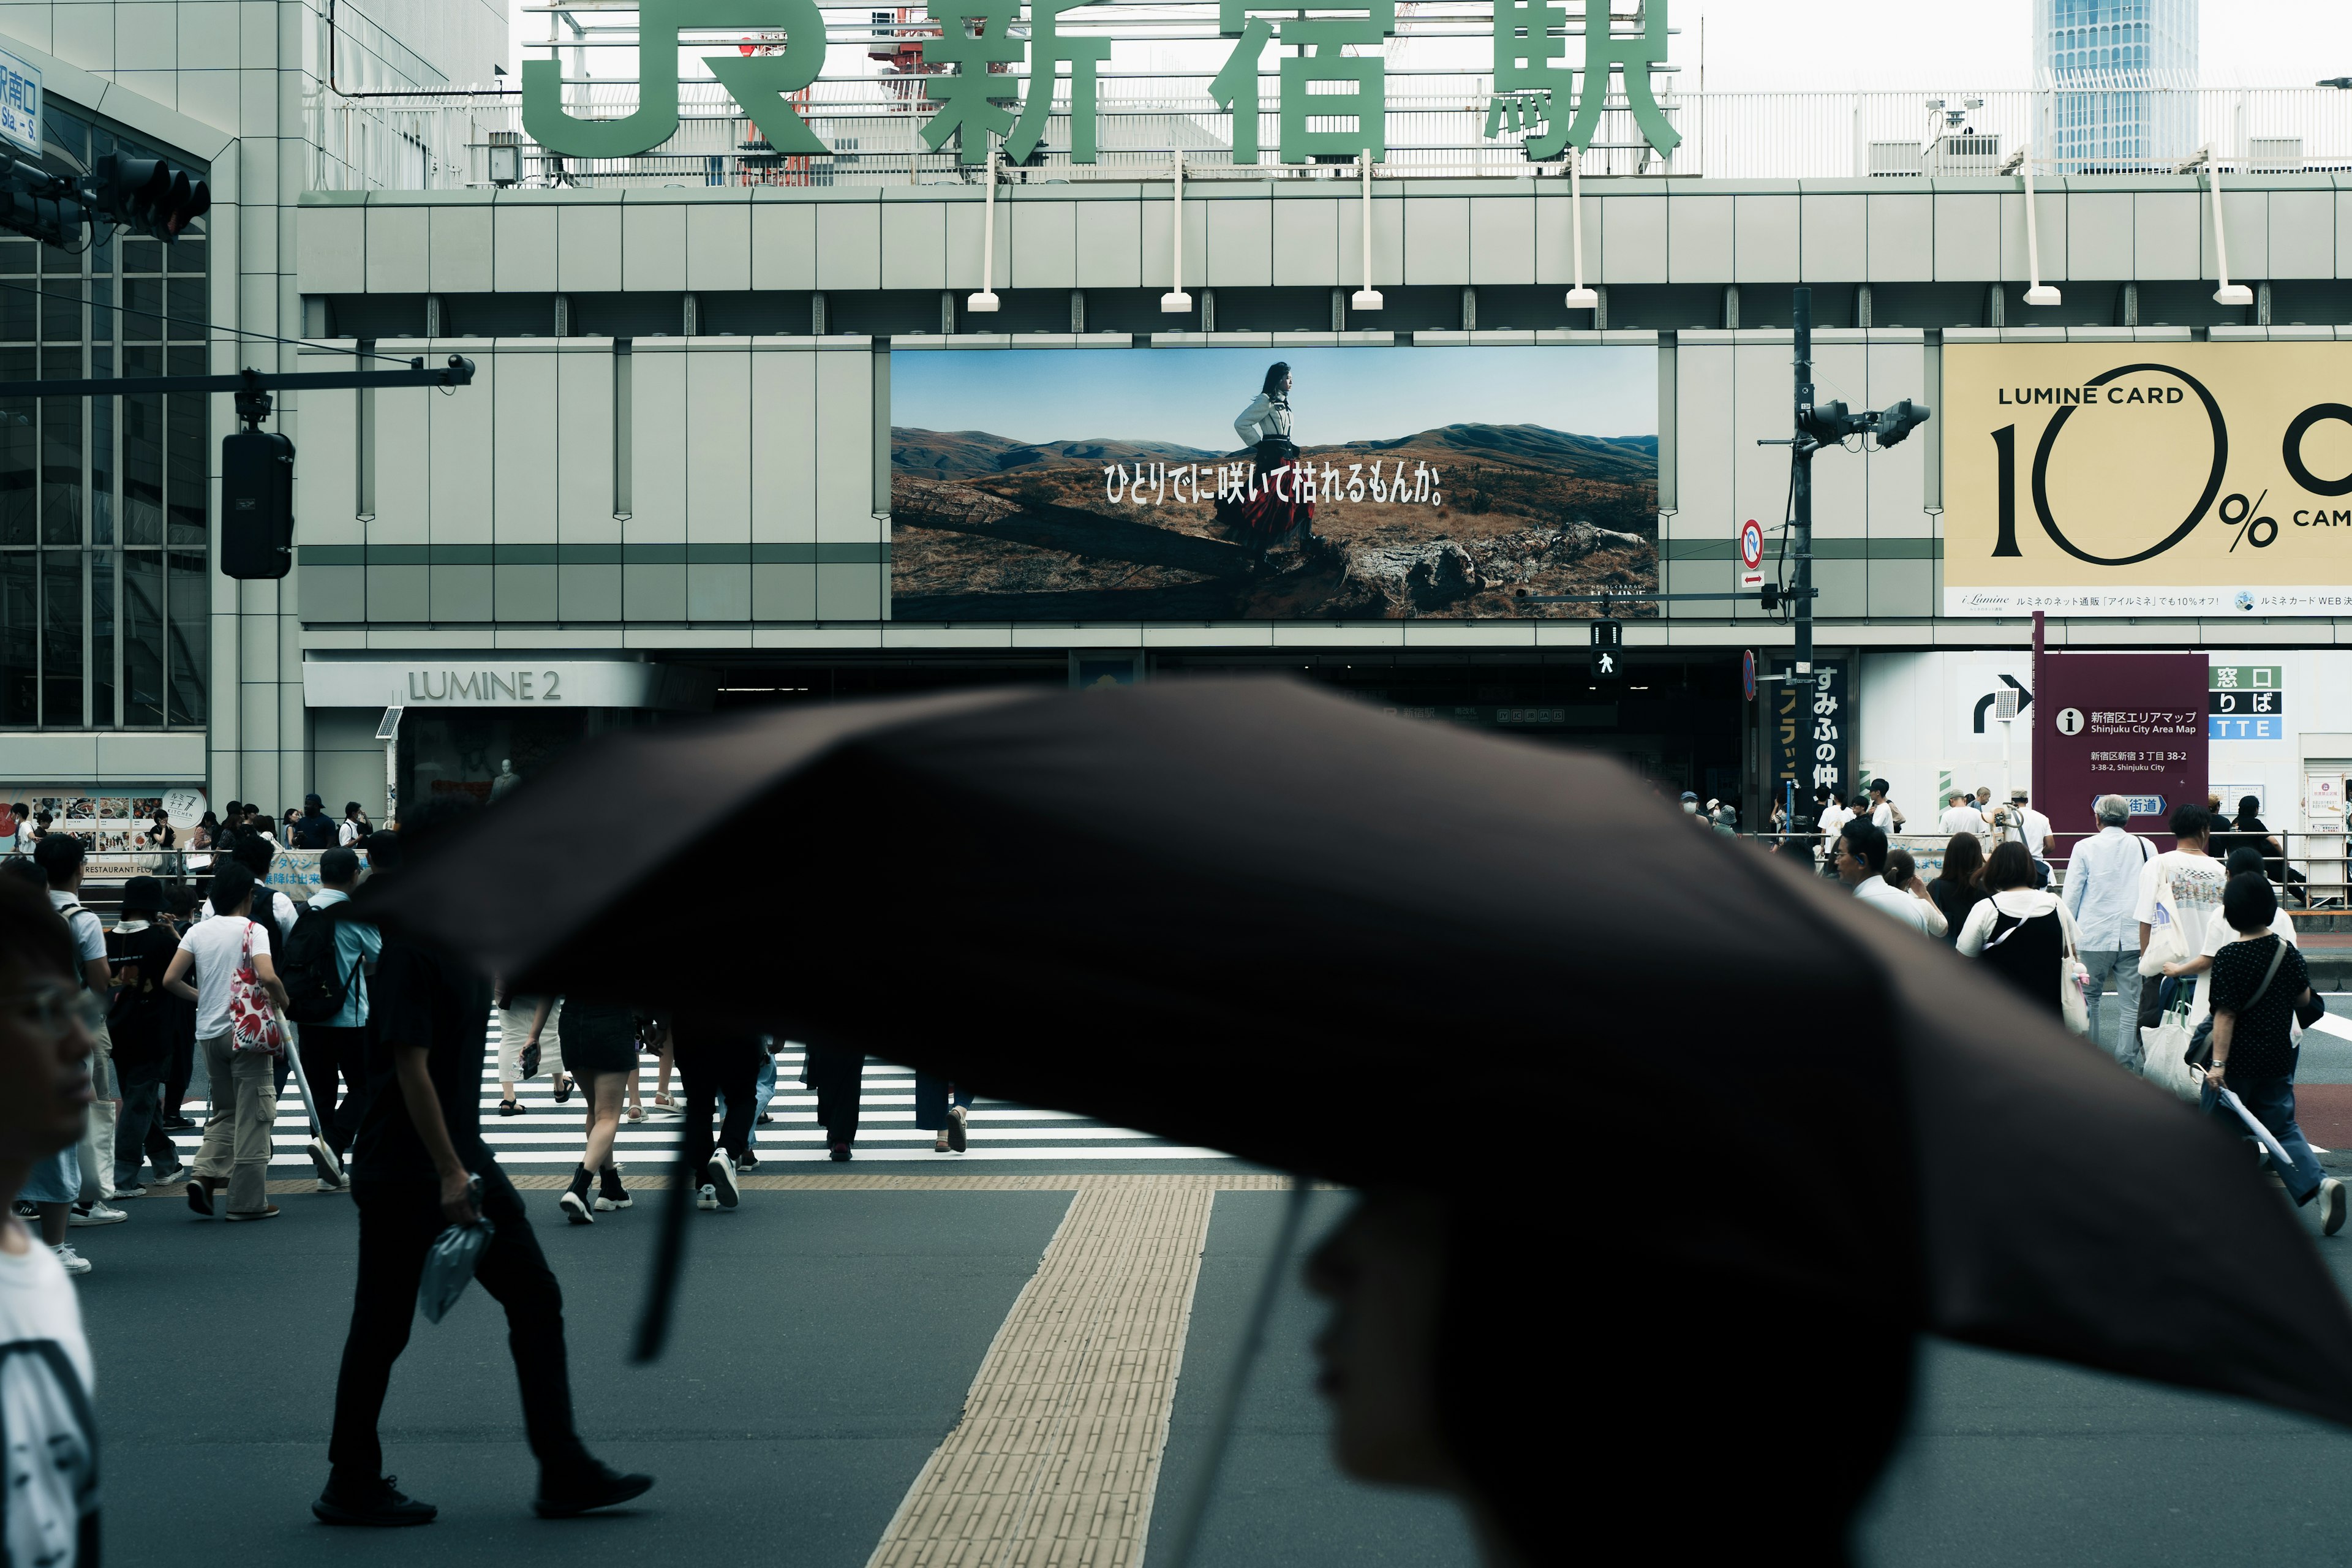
548 1135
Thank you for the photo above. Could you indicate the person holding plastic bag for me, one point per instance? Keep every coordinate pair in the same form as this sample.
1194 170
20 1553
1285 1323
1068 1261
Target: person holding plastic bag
2180 893
2258 982
418 1168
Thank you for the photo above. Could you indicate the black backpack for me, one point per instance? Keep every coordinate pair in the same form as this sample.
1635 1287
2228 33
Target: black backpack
312 975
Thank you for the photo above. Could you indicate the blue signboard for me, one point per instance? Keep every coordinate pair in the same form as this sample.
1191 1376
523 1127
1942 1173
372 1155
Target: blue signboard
20 104
2250 727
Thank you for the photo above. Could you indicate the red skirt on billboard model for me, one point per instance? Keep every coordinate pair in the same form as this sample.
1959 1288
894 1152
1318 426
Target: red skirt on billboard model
1271 507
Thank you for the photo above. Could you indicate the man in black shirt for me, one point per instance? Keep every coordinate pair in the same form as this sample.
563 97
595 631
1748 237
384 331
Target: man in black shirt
418 1154
141 1020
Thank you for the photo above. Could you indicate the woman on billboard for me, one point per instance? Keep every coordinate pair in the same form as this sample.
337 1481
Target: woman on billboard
1273 505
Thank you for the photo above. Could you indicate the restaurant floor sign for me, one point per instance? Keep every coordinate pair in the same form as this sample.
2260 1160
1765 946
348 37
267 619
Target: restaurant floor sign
2132 725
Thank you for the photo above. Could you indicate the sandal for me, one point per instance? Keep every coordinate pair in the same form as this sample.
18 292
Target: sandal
562 1088
636 1113
509 1108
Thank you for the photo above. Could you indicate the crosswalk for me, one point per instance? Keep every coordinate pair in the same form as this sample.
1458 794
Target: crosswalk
548 1135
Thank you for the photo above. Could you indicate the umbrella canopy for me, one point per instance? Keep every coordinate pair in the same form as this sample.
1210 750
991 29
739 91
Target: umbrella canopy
1262 917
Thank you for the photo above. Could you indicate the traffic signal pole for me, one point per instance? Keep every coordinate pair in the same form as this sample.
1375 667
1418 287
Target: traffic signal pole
1801 482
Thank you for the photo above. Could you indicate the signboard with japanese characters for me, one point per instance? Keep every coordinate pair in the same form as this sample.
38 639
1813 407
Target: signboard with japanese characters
2132 725
1205 484
1809 738
990 74
2185 479
2245 702
20 104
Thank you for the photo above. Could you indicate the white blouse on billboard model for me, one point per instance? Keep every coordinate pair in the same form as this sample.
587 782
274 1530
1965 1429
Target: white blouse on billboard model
1269 416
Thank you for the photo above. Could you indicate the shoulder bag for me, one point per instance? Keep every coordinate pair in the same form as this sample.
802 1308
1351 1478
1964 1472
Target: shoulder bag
253 1022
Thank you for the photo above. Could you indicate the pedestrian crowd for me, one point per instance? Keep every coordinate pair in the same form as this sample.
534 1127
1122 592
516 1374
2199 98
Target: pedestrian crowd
215 994
2181 963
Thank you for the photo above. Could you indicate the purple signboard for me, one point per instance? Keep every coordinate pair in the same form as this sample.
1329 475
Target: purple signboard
2131 724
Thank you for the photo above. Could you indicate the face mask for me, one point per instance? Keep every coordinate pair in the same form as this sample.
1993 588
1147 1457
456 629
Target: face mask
1691 807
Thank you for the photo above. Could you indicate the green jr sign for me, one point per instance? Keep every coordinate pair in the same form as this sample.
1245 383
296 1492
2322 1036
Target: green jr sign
1331 104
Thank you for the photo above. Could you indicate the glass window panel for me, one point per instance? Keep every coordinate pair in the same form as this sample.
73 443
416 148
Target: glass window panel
142 309
101 469
102 254
191 629
61 638
64 136
142 256
101 637
61 470
143 469
20 312
186 253
186 454
62 310
19 611
185 362
187 308
18 256
19 451
143 637
61 361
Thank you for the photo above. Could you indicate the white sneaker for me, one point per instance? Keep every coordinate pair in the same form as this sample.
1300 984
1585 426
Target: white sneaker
325 1186
75 1263
708 1198
2331 1206
718 1180
328 1164
97 1213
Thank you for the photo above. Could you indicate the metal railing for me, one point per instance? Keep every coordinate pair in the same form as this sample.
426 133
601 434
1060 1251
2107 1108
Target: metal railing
2311 870
1436 126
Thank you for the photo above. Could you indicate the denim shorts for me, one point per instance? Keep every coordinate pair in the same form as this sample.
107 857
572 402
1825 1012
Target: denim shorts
56 1180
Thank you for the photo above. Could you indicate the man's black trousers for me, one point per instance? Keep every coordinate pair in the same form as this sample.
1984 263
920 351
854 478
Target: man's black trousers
398 1221
325 1051
713 1065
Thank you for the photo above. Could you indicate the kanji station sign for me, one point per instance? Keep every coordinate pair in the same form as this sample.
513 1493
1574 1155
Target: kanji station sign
1331 103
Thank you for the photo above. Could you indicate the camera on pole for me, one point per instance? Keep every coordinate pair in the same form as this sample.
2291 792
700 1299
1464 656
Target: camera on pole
147 195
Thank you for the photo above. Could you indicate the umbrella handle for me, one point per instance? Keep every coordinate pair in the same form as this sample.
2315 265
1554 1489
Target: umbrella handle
669 1255
1220 1429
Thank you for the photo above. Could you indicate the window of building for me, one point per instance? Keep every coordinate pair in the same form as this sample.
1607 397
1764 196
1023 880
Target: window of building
105 523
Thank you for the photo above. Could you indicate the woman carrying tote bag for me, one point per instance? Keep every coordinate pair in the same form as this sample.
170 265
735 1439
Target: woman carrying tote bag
2027 936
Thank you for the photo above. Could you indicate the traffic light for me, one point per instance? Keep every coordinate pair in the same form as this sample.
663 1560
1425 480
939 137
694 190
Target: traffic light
147 195
1609 655
257 504
1829 422
1898 421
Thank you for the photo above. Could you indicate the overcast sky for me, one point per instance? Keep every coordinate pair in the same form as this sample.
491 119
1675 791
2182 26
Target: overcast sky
1192 395
1762 45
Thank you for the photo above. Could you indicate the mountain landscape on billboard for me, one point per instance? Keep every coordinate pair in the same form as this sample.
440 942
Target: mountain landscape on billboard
1459 519
970 454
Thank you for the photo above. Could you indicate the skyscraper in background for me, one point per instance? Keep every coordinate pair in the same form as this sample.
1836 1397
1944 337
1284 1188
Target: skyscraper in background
2118 72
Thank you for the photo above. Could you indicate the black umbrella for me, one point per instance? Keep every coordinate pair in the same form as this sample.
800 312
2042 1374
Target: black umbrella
1756 1135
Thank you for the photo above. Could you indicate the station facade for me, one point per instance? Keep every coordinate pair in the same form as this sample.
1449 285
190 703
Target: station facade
703 458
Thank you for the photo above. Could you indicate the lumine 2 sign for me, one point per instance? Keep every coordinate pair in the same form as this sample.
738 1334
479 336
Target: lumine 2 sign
1332 103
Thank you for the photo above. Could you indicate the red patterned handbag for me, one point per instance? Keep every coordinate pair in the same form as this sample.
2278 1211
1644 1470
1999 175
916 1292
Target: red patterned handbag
253 1022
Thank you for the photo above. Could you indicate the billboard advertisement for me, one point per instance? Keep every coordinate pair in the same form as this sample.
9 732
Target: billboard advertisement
2132 725
1218 484
2114 478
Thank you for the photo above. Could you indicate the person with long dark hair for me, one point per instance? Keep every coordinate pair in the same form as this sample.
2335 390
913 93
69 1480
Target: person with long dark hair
2023 932
1958 886
2253 834
1274 505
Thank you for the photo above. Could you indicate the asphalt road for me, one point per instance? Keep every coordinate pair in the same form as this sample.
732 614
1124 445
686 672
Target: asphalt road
825 1343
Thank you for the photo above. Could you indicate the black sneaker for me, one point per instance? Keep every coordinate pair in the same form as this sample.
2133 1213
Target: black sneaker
718 1174
176 1124
840 1151
575 1209
378 1502
598 1485
749 1161
200 1196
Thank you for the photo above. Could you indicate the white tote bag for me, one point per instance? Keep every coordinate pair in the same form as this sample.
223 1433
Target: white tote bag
2167 939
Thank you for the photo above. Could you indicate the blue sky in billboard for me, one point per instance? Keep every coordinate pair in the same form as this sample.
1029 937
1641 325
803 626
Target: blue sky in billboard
1191 395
